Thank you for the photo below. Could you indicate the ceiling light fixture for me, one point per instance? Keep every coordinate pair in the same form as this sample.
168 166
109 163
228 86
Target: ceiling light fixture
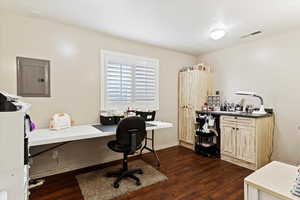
217 34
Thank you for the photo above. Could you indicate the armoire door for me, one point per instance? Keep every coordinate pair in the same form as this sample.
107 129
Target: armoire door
186 130
182 124
184 96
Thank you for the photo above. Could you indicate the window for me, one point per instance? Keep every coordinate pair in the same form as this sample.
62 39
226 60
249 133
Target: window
129 80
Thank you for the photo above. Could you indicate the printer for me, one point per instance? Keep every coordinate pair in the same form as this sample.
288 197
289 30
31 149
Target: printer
11 103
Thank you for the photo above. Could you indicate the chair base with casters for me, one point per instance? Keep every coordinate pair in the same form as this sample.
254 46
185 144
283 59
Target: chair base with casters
125 173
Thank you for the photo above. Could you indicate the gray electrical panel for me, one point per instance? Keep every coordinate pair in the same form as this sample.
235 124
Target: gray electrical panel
33 77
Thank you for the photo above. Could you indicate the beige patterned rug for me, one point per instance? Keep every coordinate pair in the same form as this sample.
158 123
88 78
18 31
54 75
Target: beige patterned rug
96 186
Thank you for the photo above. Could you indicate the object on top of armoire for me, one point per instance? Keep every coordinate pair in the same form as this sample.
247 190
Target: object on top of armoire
195 84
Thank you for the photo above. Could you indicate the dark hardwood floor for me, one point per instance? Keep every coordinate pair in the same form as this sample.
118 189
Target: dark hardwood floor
191 177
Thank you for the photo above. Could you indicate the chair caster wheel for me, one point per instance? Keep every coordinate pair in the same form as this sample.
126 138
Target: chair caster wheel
116 185
138 183
140 172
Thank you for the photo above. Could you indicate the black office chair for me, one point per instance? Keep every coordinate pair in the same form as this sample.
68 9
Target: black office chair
131 132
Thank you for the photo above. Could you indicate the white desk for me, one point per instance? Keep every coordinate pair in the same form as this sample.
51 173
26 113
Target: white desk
47 136
61 137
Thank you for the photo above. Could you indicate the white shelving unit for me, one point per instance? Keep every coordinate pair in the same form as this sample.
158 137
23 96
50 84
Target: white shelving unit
13 173
3 195
272 182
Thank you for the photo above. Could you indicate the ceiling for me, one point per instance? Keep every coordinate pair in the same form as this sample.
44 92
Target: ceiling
182 25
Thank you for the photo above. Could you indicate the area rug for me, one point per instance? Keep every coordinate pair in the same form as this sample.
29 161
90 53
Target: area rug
96 186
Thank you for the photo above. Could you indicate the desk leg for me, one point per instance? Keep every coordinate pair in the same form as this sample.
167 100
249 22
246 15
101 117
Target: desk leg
151 149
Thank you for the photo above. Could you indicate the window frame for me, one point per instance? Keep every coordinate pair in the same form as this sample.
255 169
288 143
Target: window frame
130 60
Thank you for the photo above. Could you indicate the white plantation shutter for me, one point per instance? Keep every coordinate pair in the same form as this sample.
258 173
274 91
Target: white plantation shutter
145 83
129 81
119 79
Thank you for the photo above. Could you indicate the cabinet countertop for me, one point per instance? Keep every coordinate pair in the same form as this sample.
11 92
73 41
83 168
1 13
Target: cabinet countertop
235 114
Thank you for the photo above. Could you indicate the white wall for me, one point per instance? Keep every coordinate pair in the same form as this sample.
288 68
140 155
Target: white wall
271 68
75 82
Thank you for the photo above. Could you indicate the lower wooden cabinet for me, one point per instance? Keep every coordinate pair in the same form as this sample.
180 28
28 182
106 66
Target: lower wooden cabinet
246 141
228 140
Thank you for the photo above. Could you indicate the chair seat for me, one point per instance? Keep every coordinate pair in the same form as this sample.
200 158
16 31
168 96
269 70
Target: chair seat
113 145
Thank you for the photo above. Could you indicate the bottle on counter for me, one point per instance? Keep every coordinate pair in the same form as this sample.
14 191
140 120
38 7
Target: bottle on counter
205 107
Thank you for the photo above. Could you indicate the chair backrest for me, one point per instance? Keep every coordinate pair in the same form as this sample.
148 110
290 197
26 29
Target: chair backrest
129 127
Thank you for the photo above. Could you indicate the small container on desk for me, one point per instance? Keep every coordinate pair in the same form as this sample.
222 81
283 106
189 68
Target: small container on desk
147 115
108 118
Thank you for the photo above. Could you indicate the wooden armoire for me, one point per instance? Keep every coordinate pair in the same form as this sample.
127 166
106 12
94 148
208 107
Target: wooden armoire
194 87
